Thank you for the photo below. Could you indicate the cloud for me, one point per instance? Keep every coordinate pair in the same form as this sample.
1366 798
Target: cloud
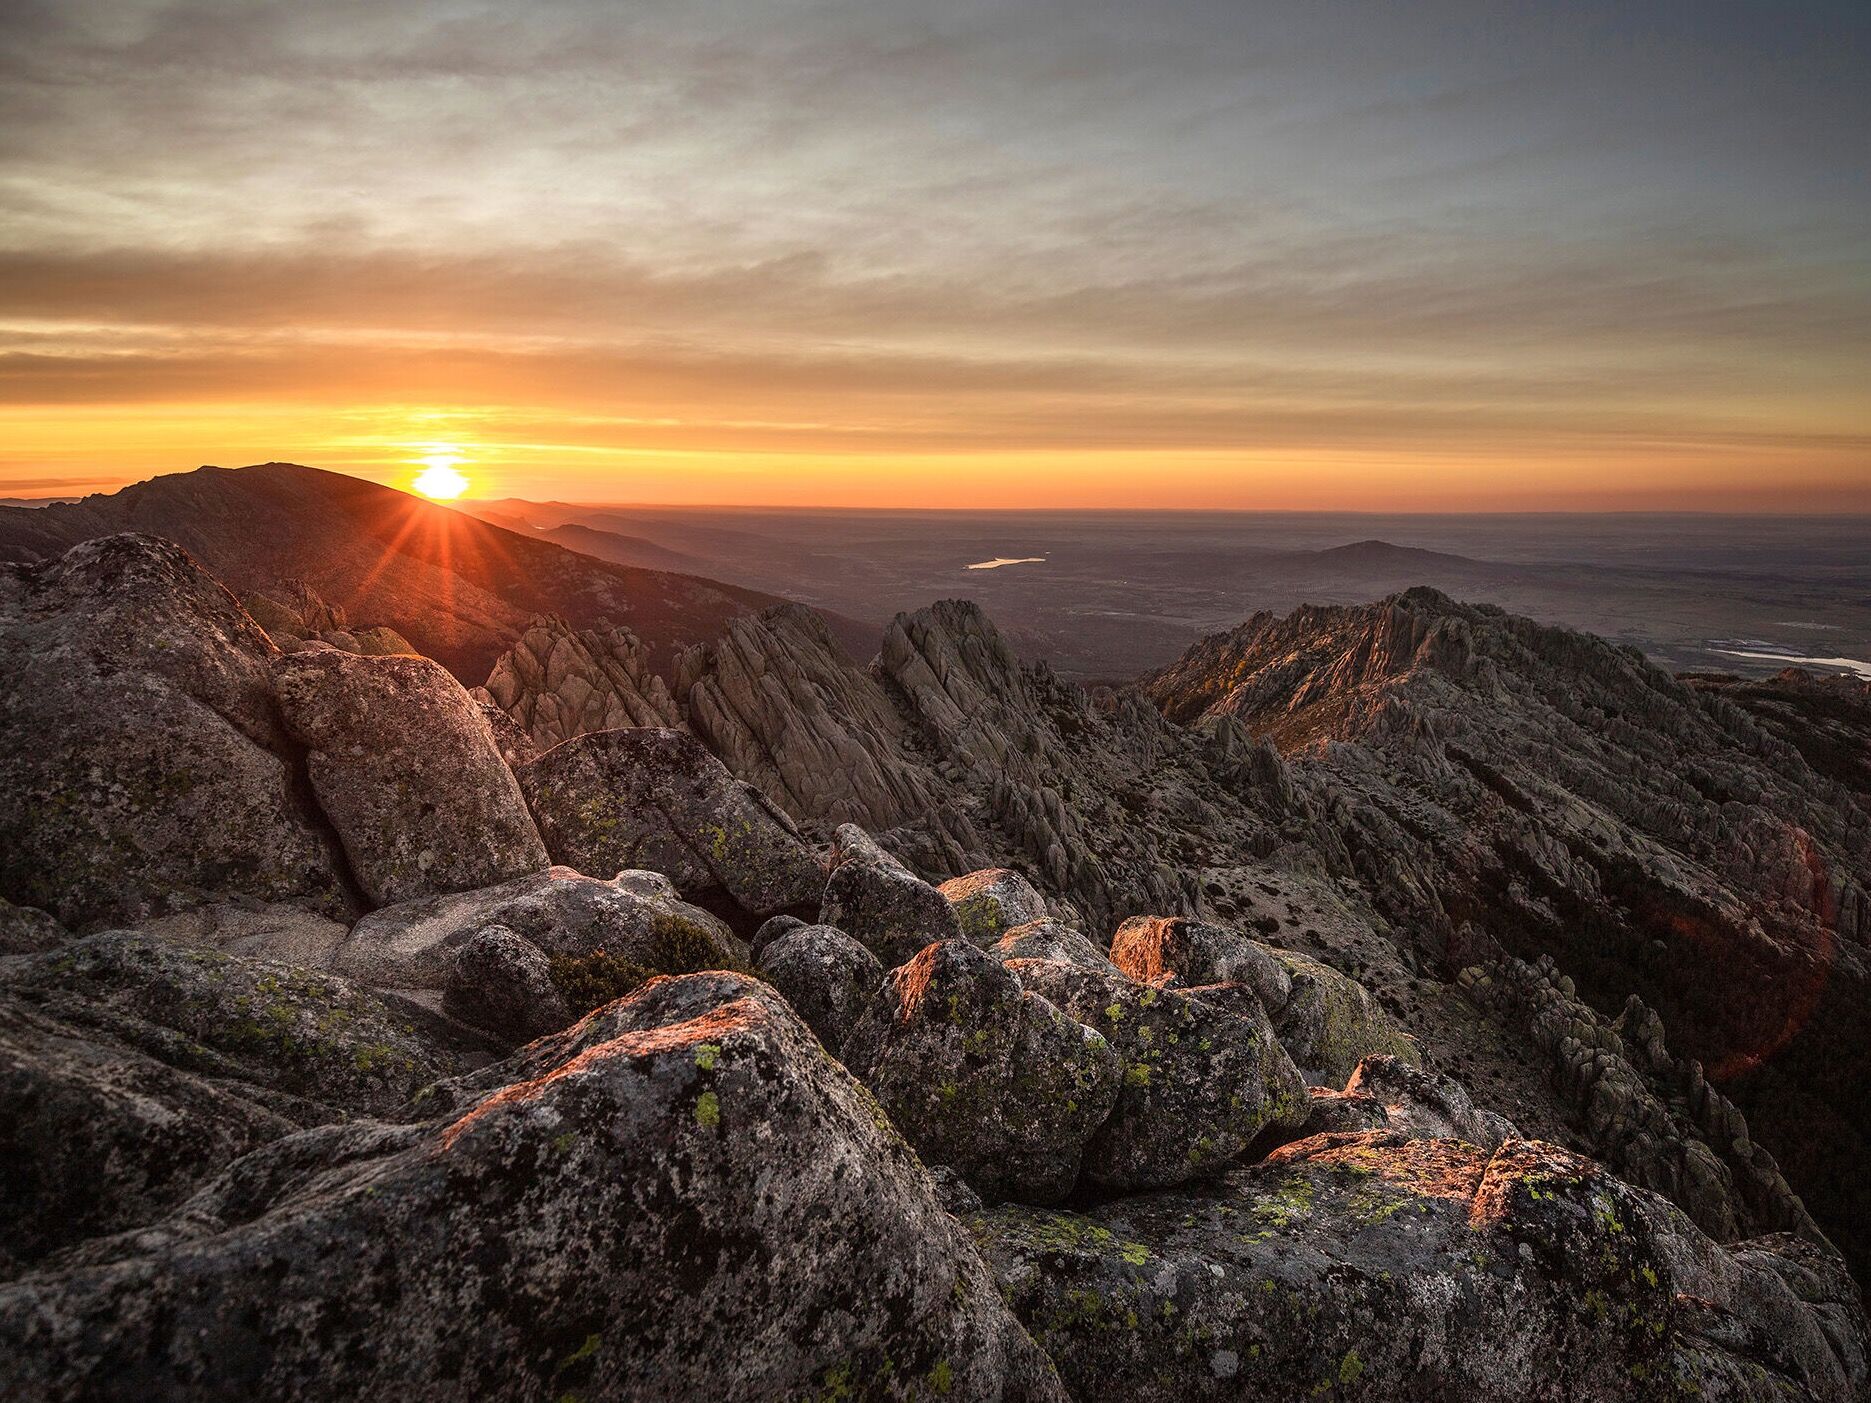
1197 223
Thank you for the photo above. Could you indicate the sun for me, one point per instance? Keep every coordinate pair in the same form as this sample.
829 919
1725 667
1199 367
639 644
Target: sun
439 479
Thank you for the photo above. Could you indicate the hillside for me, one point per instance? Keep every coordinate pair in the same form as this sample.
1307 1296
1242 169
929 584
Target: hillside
1515 791
458 588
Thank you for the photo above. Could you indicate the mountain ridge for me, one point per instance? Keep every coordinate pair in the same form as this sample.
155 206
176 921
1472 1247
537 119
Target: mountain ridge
459 588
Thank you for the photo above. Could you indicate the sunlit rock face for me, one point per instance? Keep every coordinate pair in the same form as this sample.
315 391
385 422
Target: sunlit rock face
143 767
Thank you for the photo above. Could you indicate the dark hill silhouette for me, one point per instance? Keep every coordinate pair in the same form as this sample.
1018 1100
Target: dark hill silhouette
460 589
1384 555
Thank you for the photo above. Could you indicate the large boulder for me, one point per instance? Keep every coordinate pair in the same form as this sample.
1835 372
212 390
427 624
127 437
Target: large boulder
695 1203
877 900
991 902
502 982
825 975
1200 1080
133 1070
307 1043
1376 1265
654 798
636 918
983 1076
142 765
408 772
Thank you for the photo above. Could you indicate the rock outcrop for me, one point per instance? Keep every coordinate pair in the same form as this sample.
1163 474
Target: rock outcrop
296 617
992 902
1507 790
1652 1117
779 701
692 1170
1200 1079
653 798
557 682
877 900
143 768
1374 1265
1070 995
406 768
636 917
825 975
982 1076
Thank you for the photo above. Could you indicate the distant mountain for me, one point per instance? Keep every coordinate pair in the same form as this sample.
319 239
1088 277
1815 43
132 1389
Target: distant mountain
458 588
1383 555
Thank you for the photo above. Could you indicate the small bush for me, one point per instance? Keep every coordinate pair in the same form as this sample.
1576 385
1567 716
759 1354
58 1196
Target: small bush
675 946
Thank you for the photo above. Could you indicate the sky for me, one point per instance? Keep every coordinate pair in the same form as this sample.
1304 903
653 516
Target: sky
1323 254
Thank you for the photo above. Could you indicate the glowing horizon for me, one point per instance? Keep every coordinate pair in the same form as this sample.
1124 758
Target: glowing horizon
1267 256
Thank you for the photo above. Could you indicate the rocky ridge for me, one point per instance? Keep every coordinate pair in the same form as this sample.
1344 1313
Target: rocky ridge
1506 790
977 1139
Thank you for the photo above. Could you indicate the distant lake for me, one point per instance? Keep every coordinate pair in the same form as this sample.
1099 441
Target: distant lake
1001 560
1769 652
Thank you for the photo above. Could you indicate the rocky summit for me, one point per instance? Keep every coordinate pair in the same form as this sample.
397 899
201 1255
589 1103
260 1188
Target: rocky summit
1407 1001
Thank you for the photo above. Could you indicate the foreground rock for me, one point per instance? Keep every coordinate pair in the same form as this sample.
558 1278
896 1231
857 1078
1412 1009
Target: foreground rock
877 900
1148 948
307 1042
133 1069
142 766
825 975
694 1172
97 1138
982 1076
1200 1080
407 770
636 918
1372 1265
654 798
